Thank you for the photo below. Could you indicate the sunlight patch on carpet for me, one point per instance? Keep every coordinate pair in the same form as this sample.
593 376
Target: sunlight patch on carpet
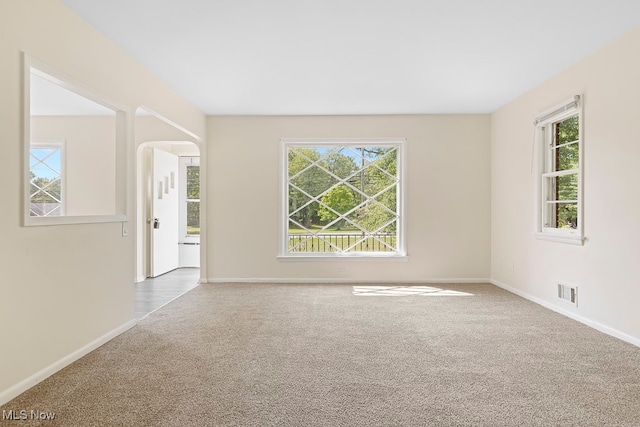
405 291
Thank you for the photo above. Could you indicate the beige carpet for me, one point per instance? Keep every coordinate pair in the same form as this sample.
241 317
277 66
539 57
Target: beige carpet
318 355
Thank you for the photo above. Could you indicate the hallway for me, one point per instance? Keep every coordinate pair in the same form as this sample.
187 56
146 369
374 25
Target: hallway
153 293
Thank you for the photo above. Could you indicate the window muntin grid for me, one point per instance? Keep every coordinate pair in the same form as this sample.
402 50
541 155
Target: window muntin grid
193 200
343 198
561 176
45 180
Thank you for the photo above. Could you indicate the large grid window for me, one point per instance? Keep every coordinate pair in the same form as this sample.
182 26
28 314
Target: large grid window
46 161
343 198
561 178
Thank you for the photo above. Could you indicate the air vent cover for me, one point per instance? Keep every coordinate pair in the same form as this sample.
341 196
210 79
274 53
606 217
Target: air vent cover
568 293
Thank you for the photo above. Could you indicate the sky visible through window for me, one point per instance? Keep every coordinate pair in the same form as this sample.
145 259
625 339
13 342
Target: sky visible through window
356 153
46 162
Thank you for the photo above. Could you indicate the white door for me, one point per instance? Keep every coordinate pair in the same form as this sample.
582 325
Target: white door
165 220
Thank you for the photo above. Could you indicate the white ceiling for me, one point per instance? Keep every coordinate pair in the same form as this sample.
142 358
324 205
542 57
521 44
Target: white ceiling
357 56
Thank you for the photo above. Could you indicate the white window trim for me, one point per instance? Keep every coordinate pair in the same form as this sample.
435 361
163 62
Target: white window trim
122 113
570 107
285 255
184 162
62 146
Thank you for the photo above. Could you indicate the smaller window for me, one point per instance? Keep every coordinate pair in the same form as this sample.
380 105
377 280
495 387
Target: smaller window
190 197
46 183
560 201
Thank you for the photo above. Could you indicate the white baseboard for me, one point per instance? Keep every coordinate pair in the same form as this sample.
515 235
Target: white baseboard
558 309
336 280
26 384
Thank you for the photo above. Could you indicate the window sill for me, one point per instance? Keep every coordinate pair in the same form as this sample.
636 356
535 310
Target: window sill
72 220
561 238
341 257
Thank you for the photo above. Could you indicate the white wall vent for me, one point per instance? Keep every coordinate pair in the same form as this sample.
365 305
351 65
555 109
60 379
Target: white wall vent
568 293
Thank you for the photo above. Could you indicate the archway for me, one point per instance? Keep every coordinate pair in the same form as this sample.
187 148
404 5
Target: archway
154 133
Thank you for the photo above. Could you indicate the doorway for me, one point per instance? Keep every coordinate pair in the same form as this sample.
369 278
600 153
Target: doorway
168 208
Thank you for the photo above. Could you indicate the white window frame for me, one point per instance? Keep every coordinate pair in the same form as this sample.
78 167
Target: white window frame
544 141
285 144
60 145
184 237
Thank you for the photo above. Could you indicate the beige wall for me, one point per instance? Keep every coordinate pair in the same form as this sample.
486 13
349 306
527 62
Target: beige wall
606 268
62 287
90 160
448 194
